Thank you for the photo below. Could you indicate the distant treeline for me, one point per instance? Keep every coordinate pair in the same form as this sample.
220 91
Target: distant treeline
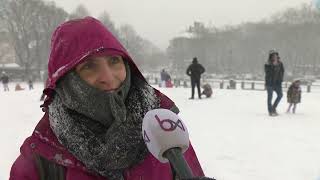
244 48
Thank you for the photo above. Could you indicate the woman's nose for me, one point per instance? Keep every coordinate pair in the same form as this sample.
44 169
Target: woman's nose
106 77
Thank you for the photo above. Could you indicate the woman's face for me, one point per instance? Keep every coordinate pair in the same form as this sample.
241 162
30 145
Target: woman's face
105 73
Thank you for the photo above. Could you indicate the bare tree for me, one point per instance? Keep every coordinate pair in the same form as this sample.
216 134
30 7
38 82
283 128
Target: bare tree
145 53
106 20
19 16
49 18
132 42
29 25
4 49
80 12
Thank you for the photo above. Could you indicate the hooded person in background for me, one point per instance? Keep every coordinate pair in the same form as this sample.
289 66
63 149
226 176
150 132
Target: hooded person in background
274 72
96 98
163 77
5 81
194 71
30 84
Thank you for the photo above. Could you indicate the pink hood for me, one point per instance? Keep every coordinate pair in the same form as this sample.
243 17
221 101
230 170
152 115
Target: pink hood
75 40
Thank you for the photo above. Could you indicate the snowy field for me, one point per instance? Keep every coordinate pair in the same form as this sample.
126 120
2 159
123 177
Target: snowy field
231 133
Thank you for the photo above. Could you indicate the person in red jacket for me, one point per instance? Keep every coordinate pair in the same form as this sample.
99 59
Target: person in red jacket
95 102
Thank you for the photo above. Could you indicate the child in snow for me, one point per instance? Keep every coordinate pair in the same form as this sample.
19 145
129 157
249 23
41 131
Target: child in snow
18 87
207 90
294 95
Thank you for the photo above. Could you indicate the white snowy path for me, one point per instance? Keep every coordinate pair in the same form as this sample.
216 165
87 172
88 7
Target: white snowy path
231 133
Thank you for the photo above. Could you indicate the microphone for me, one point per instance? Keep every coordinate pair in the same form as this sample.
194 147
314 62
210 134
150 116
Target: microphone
167 138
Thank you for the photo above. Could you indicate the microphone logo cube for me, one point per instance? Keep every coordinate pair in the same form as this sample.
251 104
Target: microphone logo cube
162 129
172 124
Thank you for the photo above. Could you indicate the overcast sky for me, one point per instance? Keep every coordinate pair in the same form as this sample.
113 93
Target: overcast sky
161 20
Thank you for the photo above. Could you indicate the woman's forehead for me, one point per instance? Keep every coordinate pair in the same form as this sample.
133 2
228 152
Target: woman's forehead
99 55
103 54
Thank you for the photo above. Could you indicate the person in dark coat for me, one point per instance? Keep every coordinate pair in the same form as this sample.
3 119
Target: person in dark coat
294 96
274 72
163 78
30 84
194 71
5 81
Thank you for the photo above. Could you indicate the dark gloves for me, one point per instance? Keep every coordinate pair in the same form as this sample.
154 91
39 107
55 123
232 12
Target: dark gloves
200 178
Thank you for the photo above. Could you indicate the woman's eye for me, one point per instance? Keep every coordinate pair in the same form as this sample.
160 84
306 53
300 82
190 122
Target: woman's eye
115 59
88 66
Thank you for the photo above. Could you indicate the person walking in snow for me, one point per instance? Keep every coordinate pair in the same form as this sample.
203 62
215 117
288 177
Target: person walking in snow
5 81
163 77
274 72
30 84
96 100
294 96
194 71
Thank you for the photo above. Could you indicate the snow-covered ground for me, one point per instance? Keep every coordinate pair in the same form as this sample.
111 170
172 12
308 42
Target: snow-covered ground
231 133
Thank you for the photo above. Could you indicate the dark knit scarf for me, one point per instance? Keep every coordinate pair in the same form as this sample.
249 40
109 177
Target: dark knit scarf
102 130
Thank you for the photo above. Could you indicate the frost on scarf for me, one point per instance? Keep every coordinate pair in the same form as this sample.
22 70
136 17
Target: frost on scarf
106 151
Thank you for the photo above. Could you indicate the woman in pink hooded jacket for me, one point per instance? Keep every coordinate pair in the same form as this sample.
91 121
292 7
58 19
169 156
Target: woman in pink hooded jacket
96 99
